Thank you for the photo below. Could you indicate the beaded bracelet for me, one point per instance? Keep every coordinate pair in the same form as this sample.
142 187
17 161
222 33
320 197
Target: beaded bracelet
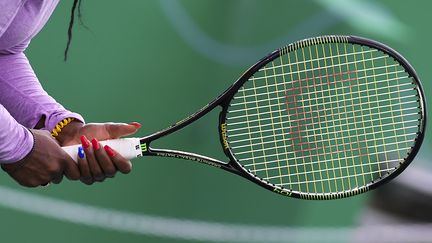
57 129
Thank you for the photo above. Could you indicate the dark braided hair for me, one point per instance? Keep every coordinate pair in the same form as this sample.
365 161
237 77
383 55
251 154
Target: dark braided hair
71 23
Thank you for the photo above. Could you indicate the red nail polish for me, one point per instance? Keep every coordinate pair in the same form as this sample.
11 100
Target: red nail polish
109 151
85 142
95 144
135 124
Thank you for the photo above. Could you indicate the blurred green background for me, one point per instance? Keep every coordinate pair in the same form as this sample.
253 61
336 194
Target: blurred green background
158 61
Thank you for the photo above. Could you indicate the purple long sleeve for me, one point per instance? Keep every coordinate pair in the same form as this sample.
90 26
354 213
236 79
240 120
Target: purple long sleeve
12 150
23 101
24 97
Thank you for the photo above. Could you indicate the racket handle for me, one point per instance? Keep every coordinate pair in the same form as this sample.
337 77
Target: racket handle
129 148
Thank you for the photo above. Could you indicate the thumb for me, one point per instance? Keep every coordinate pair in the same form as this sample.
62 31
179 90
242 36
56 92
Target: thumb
116 130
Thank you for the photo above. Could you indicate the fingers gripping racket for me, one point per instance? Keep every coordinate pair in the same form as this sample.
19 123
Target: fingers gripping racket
322 118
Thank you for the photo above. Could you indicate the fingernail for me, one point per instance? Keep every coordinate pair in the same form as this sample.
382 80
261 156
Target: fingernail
109 151
95 144
85 142
81 152
135 124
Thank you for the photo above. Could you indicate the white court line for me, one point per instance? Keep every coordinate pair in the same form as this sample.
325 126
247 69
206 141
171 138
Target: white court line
196 230
361 15
239 55
129 222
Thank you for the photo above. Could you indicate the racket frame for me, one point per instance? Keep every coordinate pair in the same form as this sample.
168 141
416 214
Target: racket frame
413 74
224 99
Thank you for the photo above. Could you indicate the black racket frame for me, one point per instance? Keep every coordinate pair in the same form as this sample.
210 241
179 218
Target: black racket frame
224 99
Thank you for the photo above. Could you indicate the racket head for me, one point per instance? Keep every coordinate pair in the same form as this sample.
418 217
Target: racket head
324 118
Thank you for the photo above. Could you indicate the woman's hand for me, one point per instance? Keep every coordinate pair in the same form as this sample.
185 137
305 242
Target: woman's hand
97 162
71 134
46 163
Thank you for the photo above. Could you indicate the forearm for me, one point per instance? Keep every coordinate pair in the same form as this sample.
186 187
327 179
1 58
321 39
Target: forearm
15 140
23 96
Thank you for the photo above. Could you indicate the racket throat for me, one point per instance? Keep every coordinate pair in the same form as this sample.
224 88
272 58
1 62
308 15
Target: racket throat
184 155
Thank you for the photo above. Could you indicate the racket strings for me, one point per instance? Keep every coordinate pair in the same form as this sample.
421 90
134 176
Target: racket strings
319 106
307 62
324 118
318 141
414 119
336 89
307 70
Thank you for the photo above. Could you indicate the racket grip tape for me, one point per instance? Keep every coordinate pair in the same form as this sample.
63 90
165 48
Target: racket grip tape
129 148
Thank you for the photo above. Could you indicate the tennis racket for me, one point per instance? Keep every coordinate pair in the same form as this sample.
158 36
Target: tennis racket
322 118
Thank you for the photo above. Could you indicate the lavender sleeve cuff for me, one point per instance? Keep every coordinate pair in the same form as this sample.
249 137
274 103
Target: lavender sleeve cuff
16 141
23 96
23 102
